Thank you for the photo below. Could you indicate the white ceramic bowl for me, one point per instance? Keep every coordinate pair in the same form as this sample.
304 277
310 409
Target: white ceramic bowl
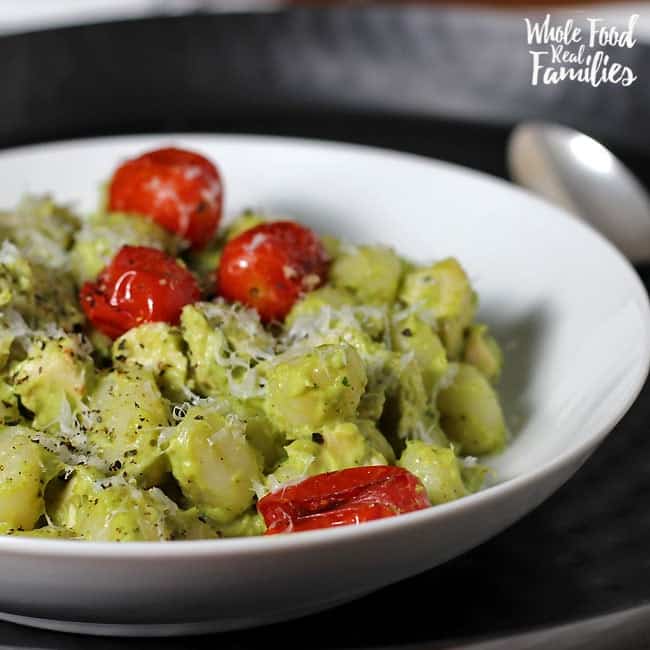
572 315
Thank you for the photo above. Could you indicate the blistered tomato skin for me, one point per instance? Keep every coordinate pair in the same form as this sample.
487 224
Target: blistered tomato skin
178 189
269 267
140 285
349 496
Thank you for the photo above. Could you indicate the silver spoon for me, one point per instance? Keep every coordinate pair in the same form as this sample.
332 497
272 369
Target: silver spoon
578 173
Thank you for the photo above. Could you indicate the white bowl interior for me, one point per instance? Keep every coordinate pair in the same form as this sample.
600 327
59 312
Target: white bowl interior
570 319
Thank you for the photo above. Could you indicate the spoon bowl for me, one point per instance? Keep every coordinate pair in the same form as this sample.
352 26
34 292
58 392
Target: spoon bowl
578 173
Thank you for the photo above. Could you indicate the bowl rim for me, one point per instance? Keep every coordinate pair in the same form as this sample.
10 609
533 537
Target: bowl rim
183 549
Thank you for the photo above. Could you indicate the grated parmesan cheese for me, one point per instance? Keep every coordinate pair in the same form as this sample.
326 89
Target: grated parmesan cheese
255 345
258 239
9 254
448 378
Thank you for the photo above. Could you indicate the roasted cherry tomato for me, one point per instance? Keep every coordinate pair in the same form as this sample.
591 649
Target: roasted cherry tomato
140 285
349 496
269 267
178 189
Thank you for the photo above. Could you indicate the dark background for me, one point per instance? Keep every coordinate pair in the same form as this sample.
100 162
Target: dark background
443 83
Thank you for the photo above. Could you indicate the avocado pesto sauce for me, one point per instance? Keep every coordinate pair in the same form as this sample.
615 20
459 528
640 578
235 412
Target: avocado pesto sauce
173 432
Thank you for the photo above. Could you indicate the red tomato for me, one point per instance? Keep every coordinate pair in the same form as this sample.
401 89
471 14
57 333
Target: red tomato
269 267
178 189
349 496
140 285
